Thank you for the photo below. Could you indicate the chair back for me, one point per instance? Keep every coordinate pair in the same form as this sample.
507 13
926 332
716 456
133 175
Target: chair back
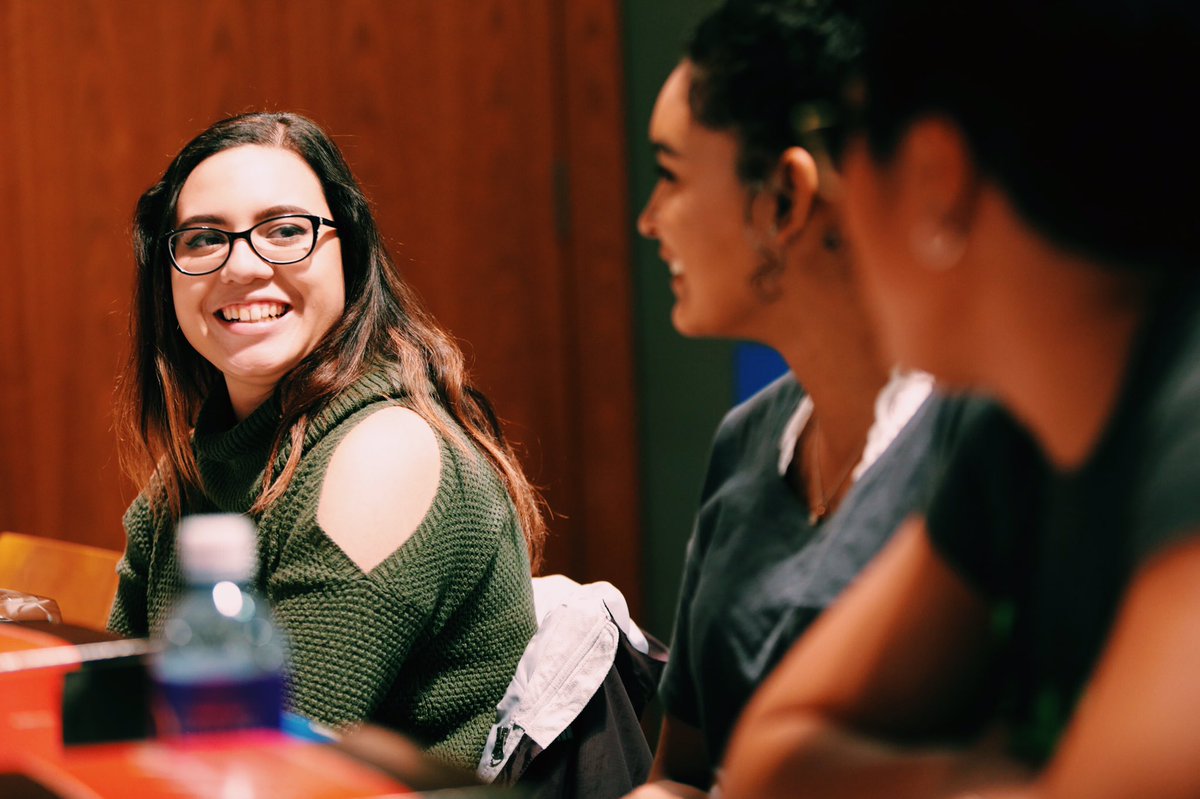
81 579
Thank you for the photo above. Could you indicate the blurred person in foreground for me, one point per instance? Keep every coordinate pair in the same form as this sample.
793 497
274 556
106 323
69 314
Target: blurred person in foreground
281 368
809 477
1010 185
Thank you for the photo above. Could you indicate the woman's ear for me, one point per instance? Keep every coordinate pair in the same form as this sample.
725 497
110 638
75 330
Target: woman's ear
941 185
796 192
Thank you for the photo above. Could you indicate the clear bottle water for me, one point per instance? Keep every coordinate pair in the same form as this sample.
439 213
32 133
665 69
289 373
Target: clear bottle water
221 661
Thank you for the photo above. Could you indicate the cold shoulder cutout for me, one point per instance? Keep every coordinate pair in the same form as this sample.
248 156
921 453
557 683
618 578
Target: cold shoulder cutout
380 484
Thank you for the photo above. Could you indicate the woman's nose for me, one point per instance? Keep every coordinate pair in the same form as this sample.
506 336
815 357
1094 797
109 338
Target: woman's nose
244 265
646 223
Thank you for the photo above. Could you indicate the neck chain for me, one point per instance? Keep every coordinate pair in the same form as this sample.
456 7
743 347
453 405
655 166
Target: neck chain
820 509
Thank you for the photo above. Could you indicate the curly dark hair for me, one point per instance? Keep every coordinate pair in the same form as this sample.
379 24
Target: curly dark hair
757 63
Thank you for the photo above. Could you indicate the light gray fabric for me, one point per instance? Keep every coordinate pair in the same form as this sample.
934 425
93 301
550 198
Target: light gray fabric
562 667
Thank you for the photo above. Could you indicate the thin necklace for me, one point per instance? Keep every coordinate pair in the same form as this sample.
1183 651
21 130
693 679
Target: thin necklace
820 510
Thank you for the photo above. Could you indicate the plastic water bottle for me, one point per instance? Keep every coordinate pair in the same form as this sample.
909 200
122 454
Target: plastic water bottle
221 661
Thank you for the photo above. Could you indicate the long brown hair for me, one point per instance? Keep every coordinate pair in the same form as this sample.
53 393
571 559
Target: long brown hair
383 327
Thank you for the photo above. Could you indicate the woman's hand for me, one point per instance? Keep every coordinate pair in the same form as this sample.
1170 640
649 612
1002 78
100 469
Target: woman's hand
988 763
666 789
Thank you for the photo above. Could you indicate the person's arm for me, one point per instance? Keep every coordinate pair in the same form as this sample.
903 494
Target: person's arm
352 622
894 659
682 766
128 614
680 769
1135 733
381 482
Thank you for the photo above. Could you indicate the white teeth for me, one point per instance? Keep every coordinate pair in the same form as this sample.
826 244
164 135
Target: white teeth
254 312
675 268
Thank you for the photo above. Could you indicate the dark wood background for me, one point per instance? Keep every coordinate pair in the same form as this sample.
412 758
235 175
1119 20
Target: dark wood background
490 135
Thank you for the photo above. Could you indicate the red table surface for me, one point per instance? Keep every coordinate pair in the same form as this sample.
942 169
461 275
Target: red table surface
254 765
247 765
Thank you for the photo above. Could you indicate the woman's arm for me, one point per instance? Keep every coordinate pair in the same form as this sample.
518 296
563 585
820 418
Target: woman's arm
1135 733
682 755
680 766
381 481
351 627
128 614
895 658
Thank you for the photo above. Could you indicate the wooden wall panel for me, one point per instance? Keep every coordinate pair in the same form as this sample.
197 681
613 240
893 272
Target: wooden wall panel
460 117
598 292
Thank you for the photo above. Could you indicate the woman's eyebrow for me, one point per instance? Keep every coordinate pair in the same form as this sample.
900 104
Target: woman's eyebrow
660 147
266 213
201 219
280 210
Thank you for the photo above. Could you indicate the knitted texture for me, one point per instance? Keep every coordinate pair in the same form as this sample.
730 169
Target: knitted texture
426 643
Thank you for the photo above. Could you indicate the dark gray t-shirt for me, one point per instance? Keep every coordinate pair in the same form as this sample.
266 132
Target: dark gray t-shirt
757 573
1055 552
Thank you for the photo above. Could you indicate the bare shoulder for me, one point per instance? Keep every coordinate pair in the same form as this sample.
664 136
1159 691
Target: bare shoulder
380 483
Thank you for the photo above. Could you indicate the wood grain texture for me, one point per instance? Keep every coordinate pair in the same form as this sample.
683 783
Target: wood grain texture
598 291
459 116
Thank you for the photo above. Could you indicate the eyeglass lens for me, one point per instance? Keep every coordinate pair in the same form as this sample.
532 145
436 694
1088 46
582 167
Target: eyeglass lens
282 240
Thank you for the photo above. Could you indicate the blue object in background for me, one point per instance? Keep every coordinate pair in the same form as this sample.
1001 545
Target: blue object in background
754 366
298 726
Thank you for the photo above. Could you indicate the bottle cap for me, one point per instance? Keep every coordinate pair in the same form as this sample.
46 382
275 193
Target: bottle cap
217 546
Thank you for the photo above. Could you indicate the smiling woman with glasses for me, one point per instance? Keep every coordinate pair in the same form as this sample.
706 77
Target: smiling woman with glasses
282 369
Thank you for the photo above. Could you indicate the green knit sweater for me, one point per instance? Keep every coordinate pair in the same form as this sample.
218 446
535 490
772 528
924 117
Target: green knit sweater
426 642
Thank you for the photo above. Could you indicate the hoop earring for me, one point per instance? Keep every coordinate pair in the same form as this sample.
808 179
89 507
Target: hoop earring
938 247
765 280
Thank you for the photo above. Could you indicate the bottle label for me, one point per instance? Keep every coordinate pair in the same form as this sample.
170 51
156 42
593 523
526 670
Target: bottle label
208 707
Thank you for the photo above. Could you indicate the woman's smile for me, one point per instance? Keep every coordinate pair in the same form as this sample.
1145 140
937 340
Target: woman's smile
253 313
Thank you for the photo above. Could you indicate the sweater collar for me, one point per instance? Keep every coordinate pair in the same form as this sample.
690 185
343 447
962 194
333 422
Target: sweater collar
232 459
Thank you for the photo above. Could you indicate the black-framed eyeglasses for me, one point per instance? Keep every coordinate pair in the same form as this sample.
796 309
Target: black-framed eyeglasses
279 241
